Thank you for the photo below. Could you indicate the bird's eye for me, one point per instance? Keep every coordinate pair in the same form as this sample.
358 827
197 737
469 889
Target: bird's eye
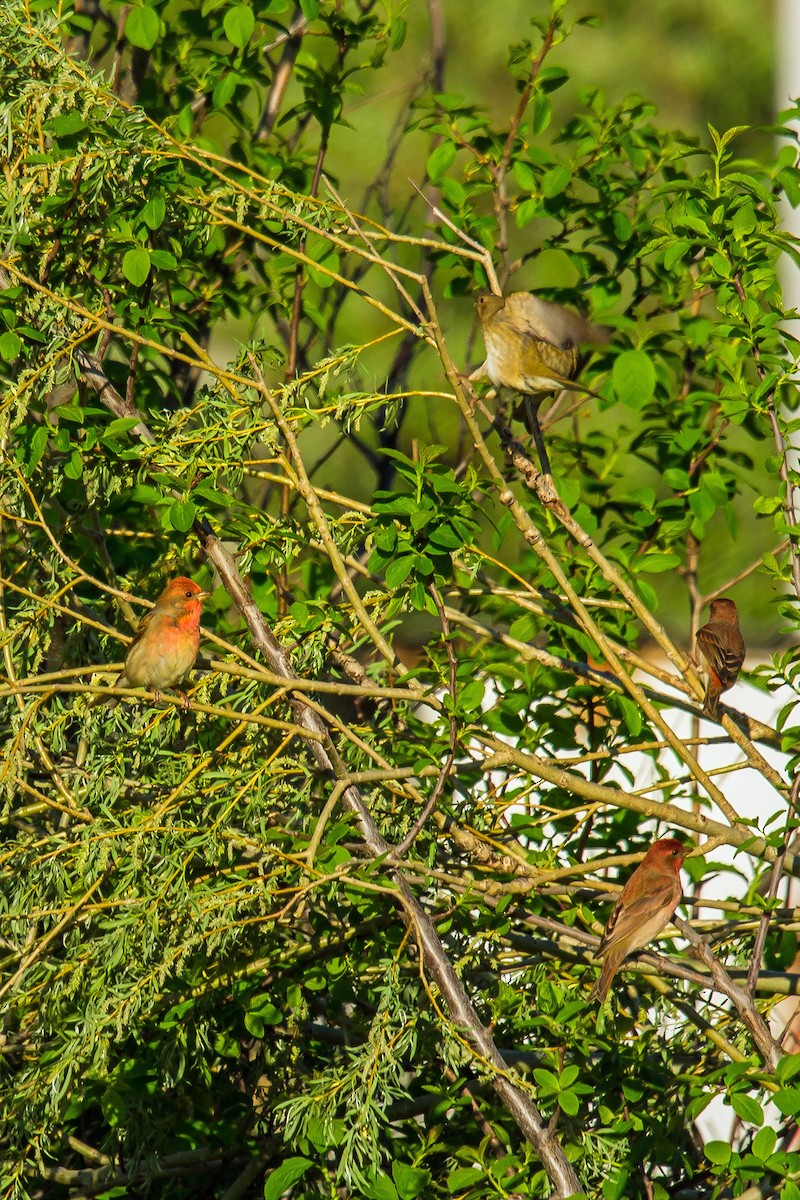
188 595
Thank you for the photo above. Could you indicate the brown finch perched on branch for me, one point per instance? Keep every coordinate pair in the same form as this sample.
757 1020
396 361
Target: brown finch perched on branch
722 646
643 908
167 641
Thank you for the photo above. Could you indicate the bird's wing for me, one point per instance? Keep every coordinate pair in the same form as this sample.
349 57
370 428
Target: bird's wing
551 322
141 628
724 655
641 919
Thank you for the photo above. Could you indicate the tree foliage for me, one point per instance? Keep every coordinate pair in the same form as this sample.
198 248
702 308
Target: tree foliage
328 930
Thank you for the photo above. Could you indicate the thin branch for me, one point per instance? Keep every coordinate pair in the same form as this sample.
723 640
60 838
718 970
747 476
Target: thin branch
767 1047
513 1095
772 893
402 849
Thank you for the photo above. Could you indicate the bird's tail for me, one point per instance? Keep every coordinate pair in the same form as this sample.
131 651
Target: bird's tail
603 982
101 698
711 702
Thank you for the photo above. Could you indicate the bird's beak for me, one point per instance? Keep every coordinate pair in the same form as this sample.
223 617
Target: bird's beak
202 595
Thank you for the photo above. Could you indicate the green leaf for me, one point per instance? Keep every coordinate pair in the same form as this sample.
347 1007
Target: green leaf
409 1181
398 571
631 714
73 469
678 479
764 1143
182 514
464 1178
744 221
674 253
546 1080
67 124
10 346
381 1188
310 9
142 27
285 1176
471 697
224 90
656 563
239 23
766 505
788 1067
633 378
555 181
136 266
154 212
35 448
119 425
747 1108
787 1101
163 260
718 1153
440 160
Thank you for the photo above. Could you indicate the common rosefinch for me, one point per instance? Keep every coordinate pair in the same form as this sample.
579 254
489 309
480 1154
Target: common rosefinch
722 646
643 908
165 647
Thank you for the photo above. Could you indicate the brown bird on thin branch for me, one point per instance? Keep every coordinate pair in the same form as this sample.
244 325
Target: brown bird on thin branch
642 910
532 346
721 643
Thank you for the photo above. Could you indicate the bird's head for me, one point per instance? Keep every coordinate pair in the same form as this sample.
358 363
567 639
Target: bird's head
487 304
723 609
667 852
182 595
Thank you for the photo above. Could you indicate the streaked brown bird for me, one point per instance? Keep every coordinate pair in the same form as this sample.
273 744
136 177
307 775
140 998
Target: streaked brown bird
532 346
721 643
643 908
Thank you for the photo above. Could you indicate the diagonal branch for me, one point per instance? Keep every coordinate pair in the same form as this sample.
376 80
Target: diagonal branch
324 753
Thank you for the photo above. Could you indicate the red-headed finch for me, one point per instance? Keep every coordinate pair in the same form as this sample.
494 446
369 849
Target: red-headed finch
722 646
643 908
167 641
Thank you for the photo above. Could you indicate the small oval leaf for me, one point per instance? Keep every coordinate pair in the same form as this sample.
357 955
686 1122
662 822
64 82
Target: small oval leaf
239 24
10 345
136 266
634 378
142 27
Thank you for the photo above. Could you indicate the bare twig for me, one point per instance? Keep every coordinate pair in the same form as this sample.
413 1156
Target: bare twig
513 1095
402 849
742 1001
774 884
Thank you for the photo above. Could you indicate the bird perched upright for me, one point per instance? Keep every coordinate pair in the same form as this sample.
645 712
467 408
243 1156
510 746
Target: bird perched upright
532 346
643 908
167 641
721 643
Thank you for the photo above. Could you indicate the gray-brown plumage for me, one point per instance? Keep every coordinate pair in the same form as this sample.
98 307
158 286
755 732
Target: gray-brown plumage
643 908
721 643
532 346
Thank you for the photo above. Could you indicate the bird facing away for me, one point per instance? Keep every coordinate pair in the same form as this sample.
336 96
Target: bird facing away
531 344
643 908
167 641
721 643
